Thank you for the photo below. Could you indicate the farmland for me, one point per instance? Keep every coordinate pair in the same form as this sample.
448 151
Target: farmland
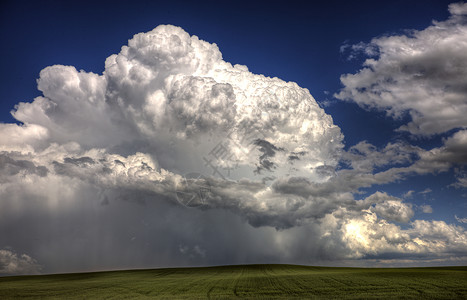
245 282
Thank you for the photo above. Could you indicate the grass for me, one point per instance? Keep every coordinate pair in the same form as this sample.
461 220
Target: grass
245 282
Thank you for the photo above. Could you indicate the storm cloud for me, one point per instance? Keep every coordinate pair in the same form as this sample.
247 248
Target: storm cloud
93 177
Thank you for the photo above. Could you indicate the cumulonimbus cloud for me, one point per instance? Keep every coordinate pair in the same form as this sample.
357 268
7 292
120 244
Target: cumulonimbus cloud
169 90
168 105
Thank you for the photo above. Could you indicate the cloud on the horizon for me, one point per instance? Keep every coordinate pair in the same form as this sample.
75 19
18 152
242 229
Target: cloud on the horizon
100 163
12 264
421 73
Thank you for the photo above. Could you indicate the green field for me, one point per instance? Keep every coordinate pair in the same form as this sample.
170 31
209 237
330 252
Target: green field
245 282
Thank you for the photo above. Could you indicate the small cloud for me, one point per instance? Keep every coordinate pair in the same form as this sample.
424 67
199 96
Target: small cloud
389 208
408 194
425 191
355 50
192 252
458 8
344 47
199 251
326 103
461 182
461 220
427 209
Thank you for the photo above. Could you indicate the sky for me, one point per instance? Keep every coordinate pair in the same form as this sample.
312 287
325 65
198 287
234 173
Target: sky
146 134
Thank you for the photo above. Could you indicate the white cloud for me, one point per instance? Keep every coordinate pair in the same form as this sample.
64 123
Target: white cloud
13 264
458 9
427 209
425 191
366 235
157 112
390 208
172 95
408 194
461 220
461 182
421 74
22 138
